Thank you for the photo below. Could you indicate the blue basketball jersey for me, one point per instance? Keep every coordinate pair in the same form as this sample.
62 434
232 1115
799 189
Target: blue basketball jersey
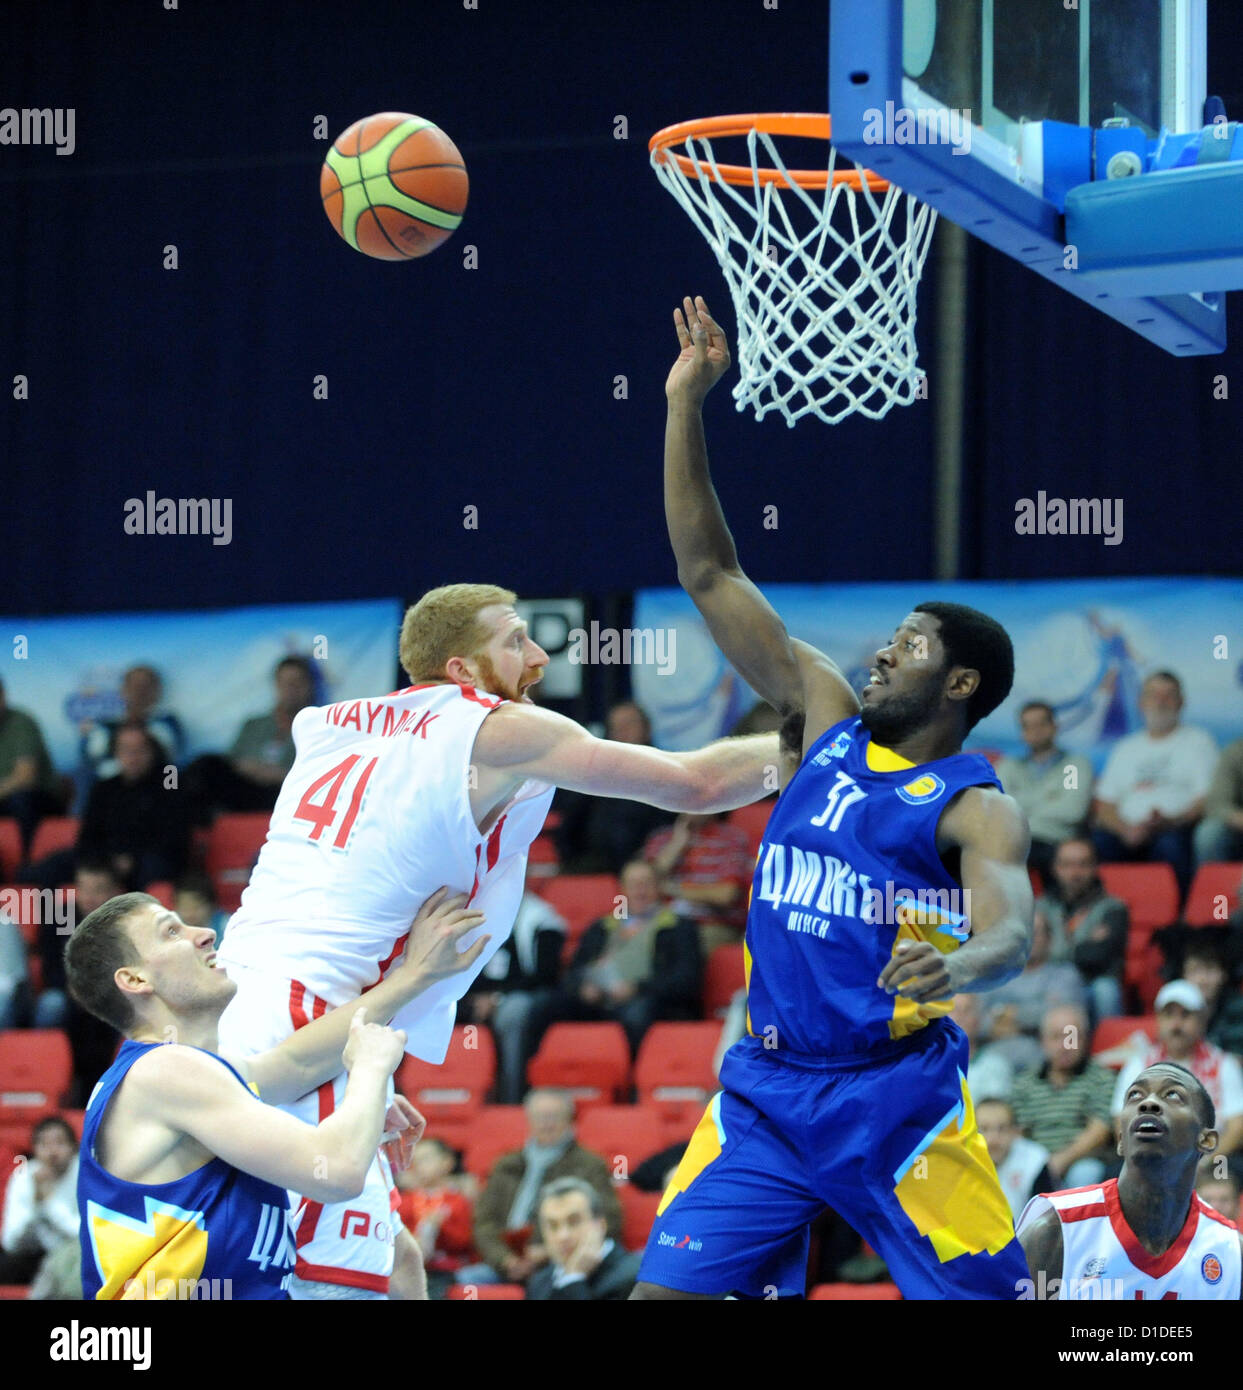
848 868
216 1233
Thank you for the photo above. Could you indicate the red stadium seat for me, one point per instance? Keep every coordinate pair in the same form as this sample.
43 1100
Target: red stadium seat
623 1135
35 1067
54 832
542 858
494 1130
855 1292
580 898
674 1073
638 1215
232 848
752 819
470 1293
162 891
460 1085
1214 894
590 1060
13 1291
1150 892
1110 1042
724 975
10 847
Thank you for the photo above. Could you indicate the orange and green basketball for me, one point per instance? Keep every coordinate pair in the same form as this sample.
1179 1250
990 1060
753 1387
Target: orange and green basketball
394 186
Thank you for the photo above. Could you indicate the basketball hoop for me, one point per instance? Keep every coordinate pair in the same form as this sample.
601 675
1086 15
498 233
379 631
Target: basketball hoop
823 266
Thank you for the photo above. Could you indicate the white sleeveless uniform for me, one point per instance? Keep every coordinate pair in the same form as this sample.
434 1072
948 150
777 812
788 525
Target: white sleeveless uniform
372 818
1101 1258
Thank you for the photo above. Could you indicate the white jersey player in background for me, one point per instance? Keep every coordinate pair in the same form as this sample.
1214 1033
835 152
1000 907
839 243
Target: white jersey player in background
1145 1234
446 782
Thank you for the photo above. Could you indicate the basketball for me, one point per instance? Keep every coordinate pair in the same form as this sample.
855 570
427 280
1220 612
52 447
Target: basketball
394 186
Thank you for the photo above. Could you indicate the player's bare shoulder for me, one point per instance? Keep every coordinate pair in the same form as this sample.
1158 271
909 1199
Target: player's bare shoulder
516 732
1042 1245
988 820
827 696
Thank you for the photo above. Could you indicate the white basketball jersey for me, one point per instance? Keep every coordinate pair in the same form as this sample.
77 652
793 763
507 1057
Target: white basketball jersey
1101 1258
373 817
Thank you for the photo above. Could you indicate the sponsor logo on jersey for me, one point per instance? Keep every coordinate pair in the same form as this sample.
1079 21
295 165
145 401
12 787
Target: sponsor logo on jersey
686 1243
922 789
1210 1267
1094 1268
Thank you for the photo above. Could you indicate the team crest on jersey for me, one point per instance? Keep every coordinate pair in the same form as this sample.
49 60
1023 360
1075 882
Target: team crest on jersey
1094 1268
836 749
922 789
1210 1267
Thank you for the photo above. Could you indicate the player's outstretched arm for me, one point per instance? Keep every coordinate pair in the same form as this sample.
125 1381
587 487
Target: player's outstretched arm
189 1092
1042 1245
742 621
313 1054
991 832
527 741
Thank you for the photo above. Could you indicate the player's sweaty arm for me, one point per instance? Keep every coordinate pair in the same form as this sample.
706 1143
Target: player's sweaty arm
991 832
1042 1244
313 1054
189 1092
519 741
742 621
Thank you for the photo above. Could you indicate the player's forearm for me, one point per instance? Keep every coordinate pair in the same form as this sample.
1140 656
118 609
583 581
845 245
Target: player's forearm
732 772
702 544
990 958
313 1054
347 1140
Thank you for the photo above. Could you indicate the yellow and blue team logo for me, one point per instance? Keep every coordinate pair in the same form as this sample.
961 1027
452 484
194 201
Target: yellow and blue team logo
922 789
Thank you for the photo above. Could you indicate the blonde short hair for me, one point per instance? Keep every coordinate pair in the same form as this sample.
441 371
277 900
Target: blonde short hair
444 624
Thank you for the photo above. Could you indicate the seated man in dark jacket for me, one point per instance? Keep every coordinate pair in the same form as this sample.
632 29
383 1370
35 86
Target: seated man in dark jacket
637 966
584 1262
1087 927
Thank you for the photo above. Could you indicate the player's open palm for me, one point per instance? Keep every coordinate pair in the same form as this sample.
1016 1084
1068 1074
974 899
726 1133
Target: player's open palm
434 948
704 358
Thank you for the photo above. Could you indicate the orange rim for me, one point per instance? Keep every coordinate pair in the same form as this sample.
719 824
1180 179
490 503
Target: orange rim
811 127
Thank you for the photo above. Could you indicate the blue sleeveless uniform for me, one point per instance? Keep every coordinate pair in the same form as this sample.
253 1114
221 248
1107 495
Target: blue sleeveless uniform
216 1233
842 1095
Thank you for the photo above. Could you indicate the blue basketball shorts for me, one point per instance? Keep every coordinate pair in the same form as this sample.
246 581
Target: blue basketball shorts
888 1141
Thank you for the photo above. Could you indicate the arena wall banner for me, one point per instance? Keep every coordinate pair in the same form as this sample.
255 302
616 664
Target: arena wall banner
1085 646
216 664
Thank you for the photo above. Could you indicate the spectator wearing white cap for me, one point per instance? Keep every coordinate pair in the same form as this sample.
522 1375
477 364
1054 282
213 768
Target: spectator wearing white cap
1181 1012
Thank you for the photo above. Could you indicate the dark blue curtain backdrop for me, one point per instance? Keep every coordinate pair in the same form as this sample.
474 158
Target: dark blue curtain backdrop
490 388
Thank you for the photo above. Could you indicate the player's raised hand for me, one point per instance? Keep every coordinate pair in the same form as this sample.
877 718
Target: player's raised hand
704 358
403 1128
917 971
436 935
372 1045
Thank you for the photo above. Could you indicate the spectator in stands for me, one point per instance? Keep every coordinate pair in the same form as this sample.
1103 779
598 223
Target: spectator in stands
1053 787
437 1212
989 1073
598 834
1181 1012
1022 1164
1205 964
142 691
705 865
1219 836
29 788
1086 926
1013 1014
1064 1106
584 1262
636 969
250 778
196 903
519 980
505 1212
1218 1187
40 1202
1153 789
14 976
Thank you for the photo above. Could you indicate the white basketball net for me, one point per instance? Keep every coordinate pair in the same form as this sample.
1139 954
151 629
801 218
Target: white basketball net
826 315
